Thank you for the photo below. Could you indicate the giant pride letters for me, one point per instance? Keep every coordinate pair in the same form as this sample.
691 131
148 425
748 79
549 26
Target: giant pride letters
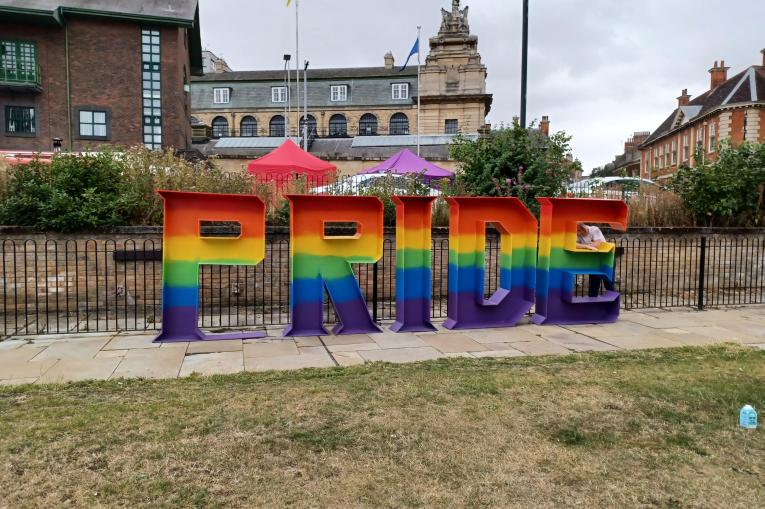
320 262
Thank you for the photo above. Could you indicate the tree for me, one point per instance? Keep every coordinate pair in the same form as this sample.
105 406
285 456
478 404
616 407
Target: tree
727 192
514 161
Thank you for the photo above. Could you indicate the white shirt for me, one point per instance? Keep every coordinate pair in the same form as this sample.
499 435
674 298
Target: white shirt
593 235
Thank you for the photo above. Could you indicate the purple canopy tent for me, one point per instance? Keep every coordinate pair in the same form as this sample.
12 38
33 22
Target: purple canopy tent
406 162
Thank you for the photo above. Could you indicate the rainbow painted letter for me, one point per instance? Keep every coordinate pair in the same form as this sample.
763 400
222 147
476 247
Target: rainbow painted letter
413 274
560 261
184 249
318 261
467 247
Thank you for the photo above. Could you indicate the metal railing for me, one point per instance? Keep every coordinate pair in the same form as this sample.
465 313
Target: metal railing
20 76
59 286
261 131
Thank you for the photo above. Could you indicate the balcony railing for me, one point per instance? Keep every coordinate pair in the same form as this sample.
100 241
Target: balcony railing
17 77
277 132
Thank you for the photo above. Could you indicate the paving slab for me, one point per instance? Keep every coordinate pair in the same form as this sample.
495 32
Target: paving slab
346 339
132 342
10 344
348 358
394 340
503 335
212 363
290 362
307 341
499 353
20 354
267 348
453 342
401 355
72 349
578 342
761 346
151 363
17 381
723 334
23 369
111 354
312 350
226 345
641 342
353 348
459 355
539 348
75 370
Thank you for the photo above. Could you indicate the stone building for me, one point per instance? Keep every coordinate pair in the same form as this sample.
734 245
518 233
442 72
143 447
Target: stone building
732 109
93 72
347 104
212 63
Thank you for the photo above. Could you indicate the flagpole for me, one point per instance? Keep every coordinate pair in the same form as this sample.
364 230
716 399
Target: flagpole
297 63
419 28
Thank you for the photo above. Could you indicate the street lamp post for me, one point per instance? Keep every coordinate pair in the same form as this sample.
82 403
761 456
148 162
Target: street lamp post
287 105
524 61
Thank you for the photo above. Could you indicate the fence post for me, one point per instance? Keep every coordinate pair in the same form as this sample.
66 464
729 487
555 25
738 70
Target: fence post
702 269
374 293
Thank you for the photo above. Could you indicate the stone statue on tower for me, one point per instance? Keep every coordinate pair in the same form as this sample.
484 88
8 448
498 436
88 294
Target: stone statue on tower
456 20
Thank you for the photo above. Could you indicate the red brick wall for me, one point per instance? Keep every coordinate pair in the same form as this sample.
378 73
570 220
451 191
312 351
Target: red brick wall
105 72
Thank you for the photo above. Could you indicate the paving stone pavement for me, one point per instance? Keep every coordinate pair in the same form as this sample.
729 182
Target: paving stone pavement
65 358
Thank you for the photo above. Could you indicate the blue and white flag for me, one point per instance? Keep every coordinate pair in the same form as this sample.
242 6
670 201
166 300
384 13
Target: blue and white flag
415 51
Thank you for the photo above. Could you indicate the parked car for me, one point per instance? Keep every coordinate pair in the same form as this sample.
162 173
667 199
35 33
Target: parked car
361 184
617 188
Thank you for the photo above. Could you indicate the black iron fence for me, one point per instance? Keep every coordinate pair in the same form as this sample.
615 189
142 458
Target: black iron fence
59 286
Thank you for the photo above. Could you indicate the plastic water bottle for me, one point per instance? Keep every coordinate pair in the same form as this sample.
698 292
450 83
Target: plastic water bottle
747 418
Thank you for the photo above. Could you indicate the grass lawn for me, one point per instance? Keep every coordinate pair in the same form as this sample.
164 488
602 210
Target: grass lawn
628 429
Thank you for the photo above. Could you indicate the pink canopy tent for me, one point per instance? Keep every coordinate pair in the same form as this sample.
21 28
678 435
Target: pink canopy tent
287 161
406 162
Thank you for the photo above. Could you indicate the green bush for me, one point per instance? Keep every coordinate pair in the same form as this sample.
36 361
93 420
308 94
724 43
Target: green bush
104 190
727 192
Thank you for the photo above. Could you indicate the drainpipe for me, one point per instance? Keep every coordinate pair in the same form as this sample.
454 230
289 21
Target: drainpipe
68 90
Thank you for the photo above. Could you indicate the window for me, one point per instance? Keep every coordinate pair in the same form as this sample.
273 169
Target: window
18 62
276 126
20 120
712 137
278 94
152 88
93 124
368 125
686 148
674 152
338 126
655 158
311 125
221 95
219 127
661 156
399 124
699 138
248 127
400 91
451 126
338 93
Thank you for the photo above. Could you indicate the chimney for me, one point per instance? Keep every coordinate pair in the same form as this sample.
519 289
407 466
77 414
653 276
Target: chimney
684 98
719 74
544 125
389 61
763 57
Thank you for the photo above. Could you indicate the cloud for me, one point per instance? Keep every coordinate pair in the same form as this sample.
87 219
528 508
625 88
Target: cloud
601 69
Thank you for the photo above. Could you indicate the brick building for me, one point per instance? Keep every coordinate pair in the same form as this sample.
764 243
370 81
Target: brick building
94 72
732 109
354 112
627 163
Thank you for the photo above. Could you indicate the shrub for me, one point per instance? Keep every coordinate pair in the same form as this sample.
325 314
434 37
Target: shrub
515 162
729 191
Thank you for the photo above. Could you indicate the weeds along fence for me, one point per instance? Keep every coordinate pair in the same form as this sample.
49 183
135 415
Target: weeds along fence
110 284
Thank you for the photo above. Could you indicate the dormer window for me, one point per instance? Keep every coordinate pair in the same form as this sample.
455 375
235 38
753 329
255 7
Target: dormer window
221 95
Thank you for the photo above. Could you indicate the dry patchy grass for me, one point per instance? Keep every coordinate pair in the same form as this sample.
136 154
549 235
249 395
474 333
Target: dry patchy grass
639 429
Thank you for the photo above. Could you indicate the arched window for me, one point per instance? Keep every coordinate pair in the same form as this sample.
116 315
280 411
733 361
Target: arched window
338 126
219 127
399 124
276 126
368 125
248 126
311 125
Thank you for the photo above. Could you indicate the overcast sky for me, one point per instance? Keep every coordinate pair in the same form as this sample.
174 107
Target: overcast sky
601 69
